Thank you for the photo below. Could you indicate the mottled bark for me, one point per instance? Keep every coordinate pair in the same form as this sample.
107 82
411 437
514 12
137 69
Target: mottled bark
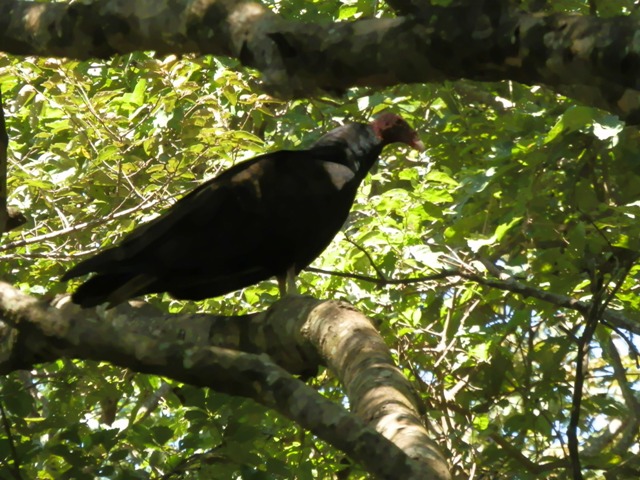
378 391
204 350
597 60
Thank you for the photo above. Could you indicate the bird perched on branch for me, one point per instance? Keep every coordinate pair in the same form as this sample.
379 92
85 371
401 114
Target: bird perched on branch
268 216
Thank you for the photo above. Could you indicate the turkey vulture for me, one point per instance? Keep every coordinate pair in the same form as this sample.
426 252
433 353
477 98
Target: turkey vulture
268 216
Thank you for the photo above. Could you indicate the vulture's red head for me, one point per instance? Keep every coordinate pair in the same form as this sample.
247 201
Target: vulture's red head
392 128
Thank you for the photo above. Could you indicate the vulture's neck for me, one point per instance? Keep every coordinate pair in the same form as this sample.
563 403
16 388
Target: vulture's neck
358 144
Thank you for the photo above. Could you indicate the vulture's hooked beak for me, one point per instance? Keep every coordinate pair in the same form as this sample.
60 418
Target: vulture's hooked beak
417 144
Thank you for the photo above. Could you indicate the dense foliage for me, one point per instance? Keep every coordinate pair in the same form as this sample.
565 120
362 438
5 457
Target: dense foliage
518 185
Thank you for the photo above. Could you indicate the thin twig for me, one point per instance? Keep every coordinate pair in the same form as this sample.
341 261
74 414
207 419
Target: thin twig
516 454
611 316
380 273
387 281
52 256
593 317
77 227
619 373
582 364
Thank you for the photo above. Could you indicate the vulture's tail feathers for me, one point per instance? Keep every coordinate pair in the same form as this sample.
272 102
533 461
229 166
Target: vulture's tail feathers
113 288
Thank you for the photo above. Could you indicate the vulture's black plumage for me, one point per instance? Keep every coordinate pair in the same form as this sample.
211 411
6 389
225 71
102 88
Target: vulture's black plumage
268 216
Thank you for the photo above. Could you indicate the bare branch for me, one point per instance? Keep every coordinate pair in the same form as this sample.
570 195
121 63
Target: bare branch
15 470
195 349
592 319
628 393
377 389
529 466
366 253
302 59
614 317
76 228
387 281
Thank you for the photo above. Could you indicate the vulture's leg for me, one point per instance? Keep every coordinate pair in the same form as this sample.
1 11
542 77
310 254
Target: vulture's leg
287 283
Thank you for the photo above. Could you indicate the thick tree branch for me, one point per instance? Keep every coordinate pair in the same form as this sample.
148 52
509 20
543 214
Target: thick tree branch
377 390
475 40
195 349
